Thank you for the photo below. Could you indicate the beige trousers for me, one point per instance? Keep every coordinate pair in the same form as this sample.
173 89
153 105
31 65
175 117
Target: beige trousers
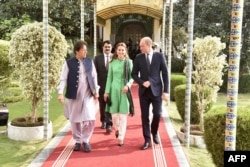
120 124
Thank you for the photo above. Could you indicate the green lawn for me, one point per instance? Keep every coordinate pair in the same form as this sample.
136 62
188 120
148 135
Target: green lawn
20 154
201 157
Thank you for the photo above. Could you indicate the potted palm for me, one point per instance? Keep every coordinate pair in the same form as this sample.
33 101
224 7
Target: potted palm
26 55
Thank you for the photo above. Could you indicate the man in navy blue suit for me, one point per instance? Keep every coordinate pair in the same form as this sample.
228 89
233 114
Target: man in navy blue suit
151 74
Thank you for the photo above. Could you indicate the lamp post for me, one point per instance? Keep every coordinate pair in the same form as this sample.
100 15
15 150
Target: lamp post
45 69
163 28
82 20
189 72
233 74
170 46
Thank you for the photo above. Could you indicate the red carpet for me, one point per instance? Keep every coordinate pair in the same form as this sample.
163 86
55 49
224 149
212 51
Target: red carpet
106 153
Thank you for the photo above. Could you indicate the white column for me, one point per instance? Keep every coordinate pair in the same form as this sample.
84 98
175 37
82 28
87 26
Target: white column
107 30
45 68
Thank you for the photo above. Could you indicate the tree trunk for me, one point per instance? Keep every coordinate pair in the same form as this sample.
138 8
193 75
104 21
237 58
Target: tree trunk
202 121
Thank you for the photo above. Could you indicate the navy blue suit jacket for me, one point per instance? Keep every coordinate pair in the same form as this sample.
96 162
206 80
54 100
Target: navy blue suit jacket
157 76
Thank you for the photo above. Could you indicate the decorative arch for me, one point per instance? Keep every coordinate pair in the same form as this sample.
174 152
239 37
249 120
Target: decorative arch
107 9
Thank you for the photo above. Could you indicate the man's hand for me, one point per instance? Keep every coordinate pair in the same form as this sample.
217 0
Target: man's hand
60 98
165 96
146 84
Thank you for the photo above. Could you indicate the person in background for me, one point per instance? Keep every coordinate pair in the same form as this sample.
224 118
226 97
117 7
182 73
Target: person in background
116 91
135 51
155 46
101 63
150 72
79 77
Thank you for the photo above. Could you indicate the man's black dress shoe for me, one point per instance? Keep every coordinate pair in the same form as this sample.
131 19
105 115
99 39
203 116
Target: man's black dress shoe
145 146
77 147
109 129
156 139
103 125
86 147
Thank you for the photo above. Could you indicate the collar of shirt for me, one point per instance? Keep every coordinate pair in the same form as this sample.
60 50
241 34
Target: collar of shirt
150 55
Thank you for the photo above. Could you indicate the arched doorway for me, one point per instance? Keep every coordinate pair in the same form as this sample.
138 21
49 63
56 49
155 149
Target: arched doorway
131 33
129 28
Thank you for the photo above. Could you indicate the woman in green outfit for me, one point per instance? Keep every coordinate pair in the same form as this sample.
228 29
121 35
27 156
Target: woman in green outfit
116 89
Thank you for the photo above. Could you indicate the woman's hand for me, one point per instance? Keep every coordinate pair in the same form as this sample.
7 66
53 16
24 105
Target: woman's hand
125 89
105 97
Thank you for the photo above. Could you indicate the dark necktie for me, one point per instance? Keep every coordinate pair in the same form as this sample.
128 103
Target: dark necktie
148 61
107 62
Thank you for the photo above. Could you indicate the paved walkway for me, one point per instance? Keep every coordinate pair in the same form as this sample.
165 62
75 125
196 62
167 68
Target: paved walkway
180 155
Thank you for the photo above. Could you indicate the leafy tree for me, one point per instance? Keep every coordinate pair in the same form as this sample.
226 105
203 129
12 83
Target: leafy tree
213 17
64 15
8 26
17 8
208 65
26 54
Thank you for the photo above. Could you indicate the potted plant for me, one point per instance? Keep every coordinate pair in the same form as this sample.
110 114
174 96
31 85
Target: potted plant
26 55
208 65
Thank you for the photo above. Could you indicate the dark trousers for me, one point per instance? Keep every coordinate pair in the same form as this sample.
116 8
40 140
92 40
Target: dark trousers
145 100
104 116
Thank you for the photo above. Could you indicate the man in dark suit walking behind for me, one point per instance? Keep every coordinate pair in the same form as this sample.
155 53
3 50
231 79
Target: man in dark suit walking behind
150 72
102 63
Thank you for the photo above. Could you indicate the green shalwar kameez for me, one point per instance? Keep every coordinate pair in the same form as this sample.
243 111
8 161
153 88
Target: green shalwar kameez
114 85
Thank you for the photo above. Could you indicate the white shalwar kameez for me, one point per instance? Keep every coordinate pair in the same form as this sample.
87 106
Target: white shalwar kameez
81 111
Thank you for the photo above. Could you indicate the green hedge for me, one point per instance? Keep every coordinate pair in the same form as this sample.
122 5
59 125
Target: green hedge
5 68
176 79
179 93
177 65
214 134
13 93
244 83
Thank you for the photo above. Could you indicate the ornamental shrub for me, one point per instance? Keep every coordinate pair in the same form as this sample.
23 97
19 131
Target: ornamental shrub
208 65
26 55
5 67
179 93
214 134
176 79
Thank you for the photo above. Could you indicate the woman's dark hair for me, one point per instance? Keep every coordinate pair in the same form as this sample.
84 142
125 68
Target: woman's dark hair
115 56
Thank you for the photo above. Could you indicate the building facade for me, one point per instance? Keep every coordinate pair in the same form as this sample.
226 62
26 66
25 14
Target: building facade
129 20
